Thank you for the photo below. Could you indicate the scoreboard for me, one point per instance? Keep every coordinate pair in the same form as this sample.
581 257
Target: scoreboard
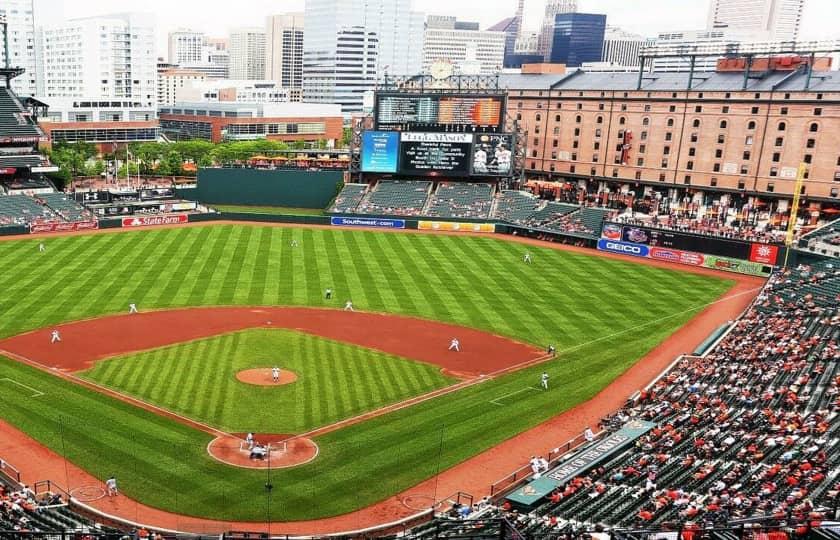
433 112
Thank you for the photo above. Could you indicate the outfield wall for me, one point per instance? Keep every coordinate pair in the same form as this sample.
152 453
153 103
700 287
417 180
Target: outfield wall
258 187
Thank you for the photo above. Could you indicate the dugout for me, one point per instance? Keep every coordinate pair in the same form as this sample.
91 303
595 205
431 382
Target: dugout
260 187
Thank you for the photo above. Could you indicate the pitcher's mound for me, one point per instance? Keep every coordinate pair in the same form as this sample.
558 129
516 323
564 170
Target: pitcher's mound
262 377
285 450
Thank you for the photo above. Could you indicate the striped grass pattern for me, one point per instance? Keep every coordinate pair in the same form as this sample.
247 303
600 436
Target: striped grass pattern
335 380
569 299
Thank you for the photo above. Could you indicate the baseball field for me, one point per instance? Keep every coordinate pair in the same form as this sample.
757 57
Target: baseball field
602 315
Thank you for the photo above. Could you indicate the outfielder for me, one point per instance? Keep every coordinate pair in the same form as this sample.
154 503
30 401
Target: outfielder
41 247
328 294
455 345
527 257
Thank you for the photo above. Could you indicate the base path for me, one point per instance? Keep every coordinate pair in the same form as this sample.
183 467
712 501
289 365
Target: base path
84 342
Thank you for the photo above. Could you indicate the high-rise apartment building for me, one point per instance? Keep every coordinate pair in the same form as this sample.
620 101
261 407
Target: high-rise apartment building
578 38
173 80
511 26
20 28
546 36
351 43
247 53
110 56
453 41
621 48
185 46
284 50
777 19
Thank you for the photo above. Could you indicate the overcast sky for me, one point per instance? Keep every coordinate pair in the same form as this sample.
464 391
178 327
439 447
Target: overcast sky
647 17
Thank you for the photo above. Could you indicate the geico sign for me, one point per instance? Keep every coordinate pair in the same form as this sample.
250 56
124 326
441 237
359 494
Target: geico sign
623 247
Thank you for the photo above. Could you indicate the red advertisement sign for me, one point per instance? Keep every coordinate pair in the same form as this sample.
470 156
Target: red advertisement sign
764 253
146 221
677 256
63 227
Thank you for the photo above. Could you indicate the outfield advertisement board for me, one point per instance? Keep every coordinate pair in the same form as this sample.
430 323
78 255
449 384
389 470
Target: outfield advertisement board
146 221
454 226
625 248
63 227
367 222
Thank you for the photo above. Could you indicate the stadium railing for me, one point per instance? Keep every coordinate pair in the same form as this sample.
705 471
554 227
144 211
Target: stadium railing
9 472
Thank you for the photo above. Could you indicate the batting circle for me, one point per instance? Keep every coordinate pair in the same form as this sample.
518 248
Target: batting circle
87 493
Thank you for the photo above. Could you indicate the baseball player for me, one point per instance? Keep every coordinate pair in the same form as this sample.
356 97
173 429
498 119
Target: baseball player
328 294
111 484
132 308
55 336
249 440
544 380
348 306
41 247
527 257
275 374
294 243
455 345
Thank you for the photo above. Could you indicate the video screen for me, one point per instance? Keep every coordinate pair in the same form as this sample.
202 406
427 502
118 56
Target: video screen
432 112
492 154
430 154
380 151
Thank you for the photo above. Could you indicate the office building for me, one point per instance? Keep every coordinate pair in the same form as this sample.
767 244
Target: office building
20 36
217 122
185 47
511 26
460 42
284 50
349 44
578 38
233 91
107 124
247 53
171 81
621 48
545 39
777 20
110 56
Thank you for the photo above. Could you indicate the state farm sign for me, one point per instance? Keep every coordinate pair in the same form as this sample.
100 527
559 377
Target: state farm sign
147 221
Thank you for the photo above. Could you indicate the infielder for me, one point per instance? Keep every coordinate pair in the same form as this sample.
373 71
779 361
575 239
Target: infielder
544 380
455 345
111 484
527 257
132 308
348 306
55 336
328 294
275 374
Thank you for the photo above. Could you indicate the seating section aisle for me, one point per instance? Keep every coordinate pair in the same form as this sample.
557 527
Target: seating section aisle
396 197
461 200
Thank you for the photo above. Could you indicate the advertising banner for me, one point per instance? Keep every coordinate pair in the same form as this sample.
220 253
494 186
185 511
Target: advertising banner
146 221
63 227
611 231
635 235
492 155
625 248
380 151
367 222
736 265
456 227
677 256
764 253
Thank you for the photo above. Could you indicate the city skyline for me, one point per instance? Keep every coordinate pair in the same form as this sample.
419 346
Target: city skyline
657 15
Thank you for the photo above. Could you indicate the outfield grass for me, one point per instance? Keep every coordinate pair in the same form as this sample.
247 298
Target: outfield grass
273 210
565 298
335 380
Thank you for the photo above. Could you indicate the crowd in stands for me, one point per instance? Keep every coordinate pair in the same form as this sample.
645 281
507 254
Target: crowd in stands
708 226
466 200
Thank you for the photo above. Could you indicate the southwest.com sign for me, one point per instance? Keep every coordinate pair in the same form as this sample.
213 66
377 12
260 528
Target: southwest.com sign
625 248
367 222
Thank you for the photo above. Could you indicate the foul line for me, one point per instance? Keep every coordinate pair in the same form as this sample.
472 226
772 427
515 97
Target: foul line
496 401
35 393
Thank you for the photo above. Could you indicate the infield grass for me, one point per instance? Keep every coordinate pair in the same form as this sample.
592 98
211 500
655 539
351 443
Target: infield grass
335 380
602 314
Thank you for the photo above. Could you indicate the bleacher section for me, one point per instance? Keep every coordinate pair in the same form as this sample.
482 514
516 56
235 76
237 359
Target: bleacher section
349 198
13 120
749 431
396 198
23 210
67 208
461 200
515 206
825 240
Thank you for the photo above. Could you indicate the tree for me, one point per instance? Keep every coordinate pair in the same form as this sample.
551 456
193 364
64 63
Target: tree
73 158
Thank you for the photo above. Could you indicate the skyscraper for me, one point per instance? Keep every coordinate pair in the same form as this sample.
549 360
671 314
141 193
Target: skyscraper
578 38
621 48
775 19
511 26
351 43
284 50
546 37
247 53
185 46
110 56
455 41
20 20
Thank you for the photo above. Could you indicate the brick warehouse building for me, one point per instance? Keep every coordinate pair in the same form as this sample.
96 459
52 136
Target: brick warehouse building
599 131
